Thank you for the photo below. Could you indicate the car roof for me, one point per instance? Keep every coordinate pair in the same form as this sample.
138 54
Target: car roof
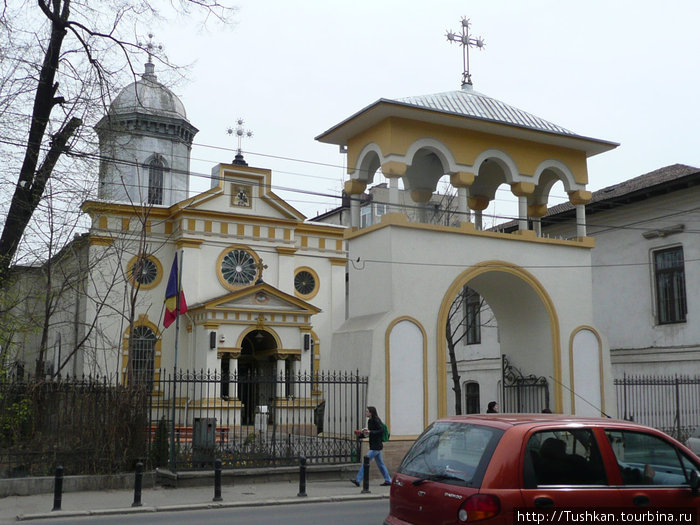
508 420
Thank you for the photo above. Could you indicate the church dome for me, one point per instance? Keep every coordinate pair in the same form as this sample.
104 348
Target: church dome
148 96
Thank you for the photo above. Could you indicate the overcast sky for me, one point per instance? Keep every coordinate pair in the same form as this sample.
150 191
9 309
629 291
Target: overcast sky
618 70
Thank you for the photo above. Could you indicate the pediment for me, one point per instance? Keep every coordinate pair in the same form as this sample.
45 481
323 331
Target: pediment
261 297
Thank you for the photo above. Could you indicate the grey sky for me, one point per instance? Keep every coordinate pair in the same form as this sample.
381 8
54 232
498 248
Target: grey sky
619 70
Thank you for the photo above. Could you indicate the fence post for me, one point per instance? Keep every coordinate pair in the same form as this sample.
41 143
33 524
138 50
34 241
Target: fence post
217 480
58 489
302 477
365 475
138 483
678 410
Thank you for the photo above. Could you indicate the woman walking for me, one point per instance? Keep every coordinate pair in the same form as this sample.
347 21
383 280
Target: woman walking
375 431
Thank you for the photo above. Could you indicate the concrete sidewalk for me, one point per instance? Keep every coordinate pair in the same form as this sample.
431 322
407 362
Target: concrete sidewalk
161 499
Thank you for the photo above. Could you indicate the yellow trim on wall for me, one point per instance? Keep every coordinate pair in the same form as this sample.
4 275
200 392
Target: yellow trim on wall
466 228
223 228
157 350
395 136
156 281
100 240
220 276
600 361
125 223
456 286
317 281
387 368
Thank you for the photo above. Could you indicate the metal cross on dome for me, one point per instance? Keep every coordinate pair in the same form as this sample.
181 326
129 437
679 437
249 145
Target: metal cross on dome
241 133
466 42
151 47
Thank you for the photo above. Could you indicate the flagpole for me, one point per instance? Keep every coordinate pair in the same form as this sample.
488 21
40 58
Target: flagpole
177 339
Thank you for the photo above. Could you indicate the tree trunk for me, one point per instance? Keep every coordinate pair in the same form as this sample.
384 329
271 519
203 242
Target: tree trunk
456 385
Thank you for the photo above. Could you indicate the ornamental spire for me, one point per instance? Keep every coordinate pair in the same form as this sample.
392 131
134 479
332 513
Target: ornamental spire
466 41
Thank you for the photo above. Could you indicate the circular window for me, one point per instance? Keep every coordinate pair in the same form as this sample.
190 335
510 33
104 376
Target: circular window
305 283
145 271
238 267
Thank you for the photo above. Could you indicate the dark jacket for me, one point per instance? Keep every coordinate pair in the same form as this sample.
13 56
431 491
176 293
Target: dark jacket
374 425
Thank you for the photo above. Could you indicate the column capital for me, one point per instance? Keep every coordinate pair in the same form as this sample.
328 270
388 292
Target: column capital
355 186
392 169
580 197
478 202
461 179
522 189
421 195
537 210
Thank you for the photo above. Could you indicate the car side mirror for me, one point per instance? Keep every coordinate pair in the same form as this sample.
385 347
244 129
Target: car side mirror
694 482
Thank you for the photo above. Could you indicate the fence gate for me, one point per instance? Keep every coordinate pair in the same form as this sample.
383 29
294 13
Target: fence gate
521 393
249 420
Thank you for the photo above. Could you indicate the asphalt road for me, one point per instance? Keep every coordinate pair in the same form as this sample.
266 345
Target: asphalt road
337 513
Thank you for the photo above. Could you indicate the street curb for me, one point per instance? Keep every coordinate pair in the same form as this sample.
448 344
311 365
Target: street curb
199 506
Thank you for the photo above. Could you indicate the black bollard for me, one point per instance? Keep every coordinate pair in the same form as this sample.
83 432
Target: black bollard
58 489
217 481
302 477
138 483
365 475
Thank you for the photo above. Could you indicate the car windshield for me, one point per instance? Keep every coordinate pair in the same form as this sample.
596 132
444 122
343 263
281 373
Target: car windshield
454 453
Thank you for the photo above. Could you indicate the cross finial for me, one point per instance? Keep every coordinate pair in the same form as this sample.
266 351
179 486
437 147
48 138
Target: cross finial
151 47
466 42
241 133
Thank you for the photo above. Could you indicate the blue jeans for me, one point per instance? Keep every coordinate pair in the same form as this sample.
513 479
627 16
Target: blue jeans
377 456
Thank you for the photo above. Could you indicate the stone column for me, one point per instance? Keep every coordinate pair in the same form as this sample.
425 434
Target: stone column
393 171
536 212
580 221
355 188
281 371
580 198
478 203
421 196
462 180
522 190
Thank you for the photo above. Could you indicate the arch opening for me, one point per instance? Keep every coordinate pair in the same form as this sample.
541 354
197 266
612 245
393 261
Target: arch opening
525 330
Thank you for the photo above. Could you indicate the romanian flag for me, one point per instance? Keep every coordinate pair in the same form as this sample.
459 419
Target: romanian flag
171 293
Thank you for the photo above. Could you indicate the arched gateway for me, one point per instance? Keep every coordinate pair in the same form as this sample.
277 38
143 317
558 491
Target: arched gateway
406 270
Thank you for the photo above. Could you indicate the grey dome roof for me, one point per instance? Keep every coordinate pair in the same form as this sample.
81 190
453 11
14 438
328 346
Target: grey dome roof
469 103
148 96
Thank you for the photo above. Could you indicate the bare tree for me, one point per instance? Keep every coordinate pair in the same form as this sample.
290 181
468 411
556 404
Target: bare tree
59 61
468 312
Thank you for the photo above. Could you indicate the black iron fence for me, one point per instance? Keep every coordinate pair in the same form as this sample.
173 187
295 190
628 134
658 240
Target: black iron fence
88 425
522 393
668 403
96 426
255 420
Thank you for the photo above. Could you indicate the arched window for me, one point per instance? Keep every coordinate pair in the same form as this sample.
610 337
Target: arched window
143 356
471 398
155 181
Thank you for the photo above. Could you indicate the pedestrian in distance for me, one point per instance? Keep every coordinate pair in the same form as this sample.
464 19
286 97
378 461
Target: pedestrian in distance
374 430
492 407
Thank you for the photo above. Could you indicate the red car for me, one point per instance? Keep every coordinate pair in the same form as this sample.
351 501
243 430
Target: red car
520 468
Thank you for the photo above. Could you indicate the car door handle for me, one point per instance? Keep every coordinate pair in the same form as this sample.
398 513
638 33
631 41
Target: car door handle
544 503
641 501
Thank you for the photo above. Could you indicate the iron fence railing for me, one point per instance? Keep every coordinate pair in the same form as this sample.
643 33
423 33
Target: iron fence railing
522 393
186 420
668 403
88 425
255 420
